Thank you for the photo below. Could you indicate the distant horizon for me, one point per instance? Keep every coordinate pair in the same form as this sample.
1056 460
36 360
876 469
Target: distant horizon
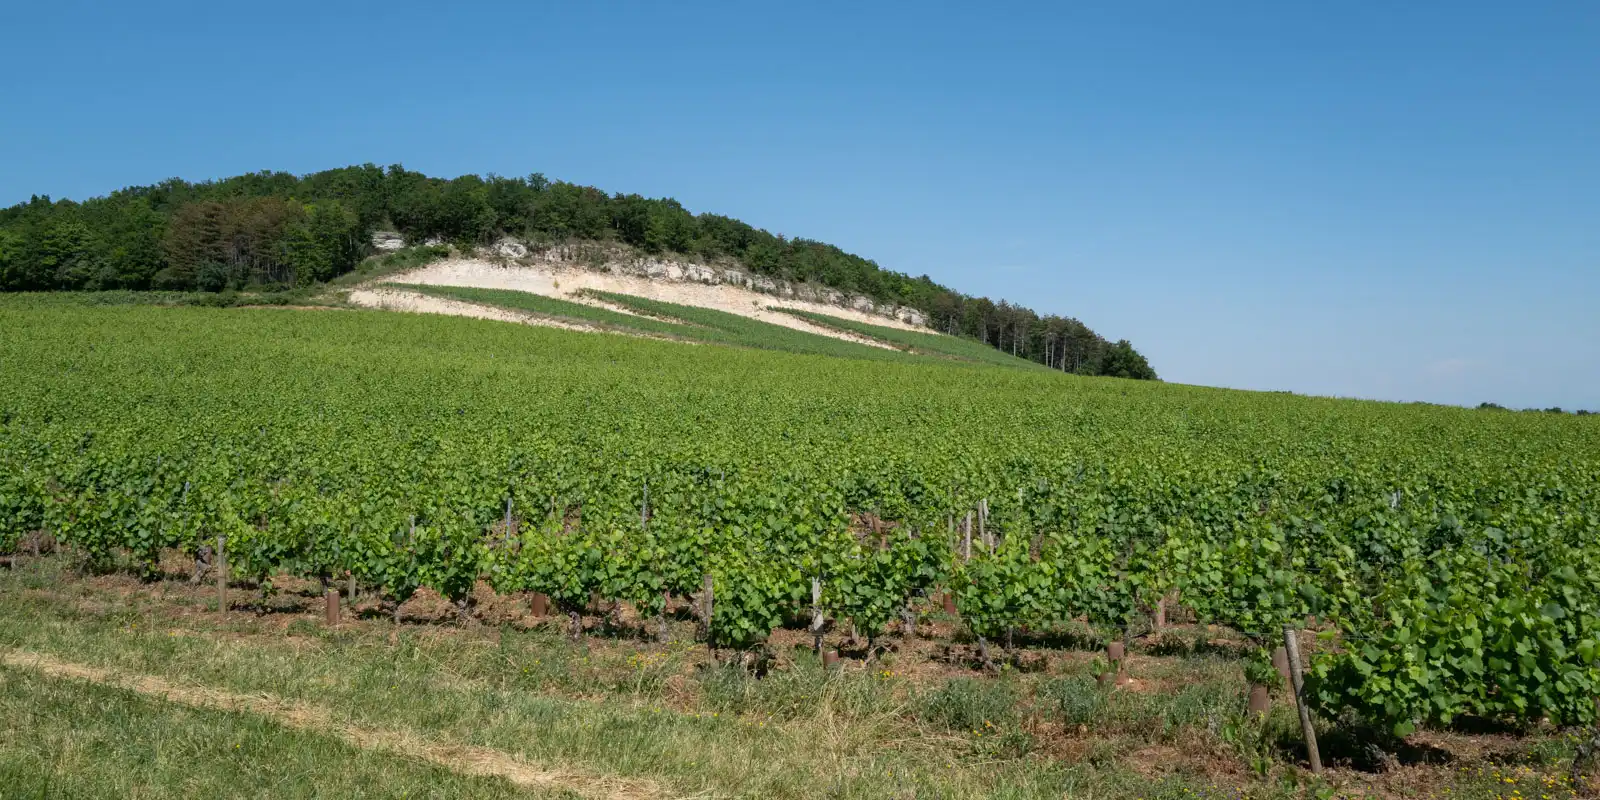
1371 202
1468 406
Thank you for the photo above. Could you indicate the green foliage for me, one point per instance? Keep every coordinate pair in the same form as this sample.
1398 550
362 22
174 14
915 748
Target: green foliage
1122 361
1502 625
1450 555
710 325
971 706
697 325
1258 669
1078 699
566 310
279 229
405 258
915 341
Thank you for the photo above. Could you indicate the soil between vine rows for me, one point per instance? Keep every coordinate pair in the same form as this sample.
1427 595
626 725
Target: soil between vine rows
1139 742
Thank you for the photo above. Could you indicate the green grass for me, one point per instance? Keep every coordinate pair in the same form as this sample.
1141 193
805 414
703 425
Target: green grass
932 343
565 310
612 709
62 738
686 323
605 710
725 328
380 266
123 297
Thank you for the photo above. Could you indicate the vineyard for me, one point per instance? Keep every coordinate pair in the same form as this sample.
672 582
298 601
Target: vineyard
1447 561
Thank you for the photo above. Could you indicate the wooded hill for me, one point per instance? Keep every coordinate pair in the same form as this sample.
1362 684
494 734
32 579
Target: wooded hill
276 229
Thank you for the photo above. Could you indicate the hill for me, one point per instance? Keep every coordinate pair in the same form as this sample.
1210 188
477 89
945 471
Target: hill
697 305
275 229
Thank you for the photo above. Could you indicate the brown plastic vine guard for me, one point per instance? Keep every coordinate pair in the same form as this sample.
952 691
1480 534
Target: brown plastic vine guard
1260 700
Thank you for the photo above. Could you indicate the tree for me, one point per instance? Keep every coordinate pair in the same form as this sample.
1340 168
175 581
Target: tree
63 253
276 228
1122 361
193 242
327 242
131 231
671 228
630 218
12 276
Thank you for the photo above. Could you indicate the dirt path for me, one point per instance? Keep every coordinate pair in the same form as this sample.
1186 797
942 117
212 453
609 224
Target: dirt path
462 759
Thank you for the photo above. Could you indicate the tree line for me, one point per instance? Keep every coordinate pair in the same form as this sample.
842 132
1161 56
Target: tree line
1552 410
277 229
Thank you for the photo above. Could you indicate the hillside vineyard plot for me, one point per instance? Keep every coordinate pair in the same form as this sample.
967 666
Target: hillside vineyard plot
916 341
705 325
1448 556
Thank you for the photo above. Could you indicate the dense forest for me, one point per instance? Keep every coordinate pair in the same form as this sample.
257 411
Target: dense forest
275 229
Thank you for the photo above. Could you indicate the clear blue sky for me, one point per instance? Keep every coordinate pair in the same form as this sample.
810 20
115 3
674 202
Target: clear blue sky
1386 200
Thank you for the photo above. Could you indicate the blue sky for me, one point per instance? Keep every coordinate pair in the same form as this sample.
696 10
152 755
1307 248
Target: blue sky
1385 200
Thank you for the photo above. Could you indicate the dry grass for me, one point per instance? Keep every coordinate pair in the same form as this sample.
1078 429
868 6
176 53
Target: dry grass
620 711
463 759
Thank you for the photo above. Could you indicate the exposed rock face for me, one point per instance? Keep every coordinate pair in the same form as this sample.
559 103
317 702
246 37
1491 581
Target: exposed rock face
387 241
910 316
620 261
670 270
510 248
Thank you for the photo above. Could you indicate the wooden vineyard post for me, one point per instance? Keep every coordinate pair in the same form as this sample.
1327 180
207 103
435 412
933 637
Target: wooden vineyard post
350 589
708 601
222 576
507 530
910 612
411 544
816 615
966 537
1291 645
983 531
664 634
331 598
1161 613
983 525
